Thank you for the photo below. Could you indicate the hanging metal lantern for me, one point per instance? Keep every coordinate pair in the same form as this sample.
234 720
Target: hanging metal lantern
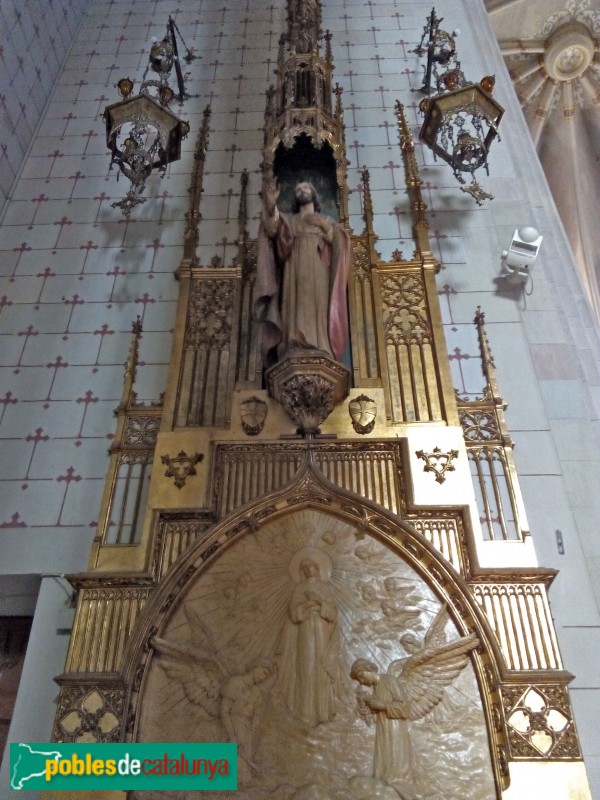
459 127
142 135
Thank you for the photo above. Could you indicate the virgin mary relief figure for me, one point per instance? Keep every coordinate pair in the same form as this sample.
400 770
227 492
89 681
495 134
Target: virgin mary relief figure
309 671
302 274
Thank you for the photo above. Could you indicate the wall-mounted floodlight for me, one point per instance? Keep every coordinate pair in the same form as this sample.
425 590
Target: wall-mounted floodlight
521 255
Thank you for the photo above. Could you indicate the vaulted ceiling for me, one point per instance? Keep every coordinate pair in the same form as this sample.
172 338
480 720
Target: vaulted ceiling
551 49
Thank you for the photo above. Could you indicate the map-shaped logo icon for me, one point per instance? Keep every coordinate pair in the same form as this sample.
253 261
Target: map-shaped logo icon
27 763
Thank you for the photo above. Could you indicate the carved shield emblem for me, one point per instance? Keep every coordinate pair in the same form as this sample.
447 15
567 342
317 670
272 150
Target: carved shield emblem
363 412
253 413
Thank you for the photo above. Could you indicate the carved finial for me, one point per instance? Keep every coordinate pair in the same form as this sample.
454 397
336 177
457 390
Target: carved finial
243 210
339 109
193 216
487 359
281 54
411 170
491 390
205 125
413 184
367 200
132 358
243 244
328 51
128 395
484 345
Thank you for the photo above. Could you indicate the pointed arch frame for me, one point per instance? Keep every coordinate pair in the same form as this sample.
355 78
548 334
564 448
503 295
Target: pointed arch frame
309 489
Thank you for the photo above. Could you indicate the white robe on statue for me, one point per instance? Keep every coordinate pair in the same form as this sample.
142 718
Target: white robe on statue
309 666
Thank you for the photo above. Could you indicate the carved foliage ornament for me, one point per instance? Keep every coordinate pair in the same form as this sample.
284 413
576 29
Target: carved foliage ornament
361 261
141 431
575 10
308 400
479 425
181 466
308 384
438 462
209 315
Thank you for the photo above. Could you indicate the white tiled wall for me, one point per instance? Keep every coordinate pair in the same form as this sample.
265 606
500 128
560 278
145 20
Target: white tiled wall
36 37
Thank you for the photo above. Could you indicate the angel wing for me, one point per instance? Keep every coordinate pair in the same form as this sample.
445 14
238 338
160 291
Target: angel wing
425 675
435 636
200 676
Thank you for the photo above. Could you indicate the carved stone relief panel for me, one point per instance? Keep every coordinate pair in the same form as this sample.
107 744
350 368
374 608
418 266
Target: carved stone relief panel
307 642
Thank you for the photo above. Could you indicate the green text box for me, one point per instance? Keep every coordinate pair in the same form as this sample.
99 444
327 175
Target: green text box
166 766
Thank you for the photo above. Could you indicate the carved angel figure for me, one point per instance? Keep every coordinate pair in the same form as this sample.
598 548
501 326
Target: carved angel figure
409 690
237 699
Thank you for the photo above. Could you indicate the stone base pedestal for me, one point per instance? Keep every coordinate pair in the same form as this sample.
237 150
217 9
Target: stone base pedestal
308 384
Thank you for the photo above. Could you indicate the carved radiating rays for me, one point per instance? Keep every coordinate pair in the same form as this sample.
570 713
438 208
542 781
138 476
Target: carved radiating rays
253 580
244 599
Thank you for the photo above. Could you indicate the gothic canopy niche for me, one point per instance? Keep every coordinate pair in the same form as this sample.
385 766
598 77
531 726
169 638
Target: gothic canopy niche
304 135
287 640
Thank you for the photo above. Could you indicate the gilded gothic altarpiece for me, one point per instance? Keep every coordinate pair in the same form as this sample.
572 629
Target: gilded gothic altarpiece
312 568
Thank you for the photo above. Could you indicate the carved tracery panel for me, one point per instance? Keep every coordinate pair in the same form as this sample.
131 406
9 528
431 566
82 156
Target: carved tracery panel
209 351
410 348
